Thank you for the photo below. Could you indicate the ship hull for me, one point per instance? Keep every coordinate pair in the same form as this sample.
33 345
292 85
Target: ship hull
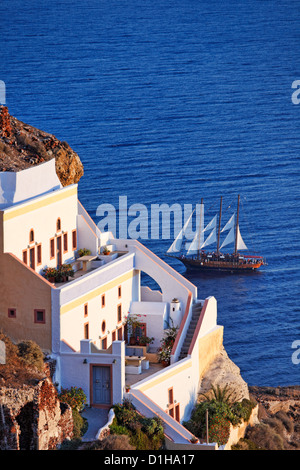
219 266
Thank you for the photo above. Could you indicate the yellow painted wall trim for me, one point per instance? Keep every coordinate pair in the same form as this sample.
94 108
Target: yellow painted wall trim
42 201
166 376
98 291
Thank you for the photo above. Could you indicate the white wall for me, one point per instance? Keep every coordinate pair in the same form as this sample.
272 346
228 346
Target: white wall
41 215
72 318
155 315
16 187
76 373
87 237
184 375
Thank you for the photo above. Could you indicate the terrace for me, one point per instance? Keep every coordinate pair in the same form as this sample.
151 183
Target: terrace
82 266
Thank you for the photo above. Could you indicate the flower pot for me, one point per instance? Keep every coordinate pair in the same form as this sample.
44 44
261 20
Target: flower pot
165 363
194 441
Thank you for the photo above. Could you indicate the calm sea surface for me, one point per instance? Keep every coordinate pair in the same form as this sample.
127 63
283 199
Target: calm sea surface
171 101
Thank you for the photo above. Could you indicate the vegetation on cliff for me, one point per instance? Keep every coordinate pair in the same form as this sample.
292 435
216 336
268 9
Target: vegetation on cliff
131 431
221 410
24 363
279 415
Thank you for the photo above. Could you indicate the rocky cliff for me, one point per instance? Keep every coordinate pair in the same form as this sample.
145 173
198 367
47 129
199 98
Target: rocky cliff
31 414
32 417
22 146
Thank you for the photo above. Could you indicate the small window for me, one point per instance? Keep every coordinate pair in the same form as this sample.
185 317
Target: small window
39 316
39 254
119 291
120 334
170 396
103 300
12 313
74 240
86 331
65 242
86 310
31 236
52 248
58 225
177 412
103 326
25 259
104 343
113 335
119 310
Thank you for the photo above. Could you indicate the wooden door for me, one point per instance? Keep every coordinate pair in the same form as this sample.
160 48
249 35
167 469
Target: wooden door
32 258
101 385
58 251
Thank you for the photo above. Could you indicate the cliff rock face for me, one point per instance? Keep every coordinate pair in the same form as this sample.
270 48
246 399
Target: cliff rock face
22 146
223 372
32 418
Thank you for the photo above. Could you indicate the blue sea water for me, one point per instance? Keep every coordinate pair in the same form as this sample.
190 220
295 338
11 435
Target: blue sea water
171 101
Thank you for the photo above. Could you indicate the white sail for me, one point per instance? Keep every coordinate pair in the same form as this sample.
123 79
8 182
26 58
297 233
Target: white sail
194 246
240 242
229 224
229 239
212 224
177 243
212 238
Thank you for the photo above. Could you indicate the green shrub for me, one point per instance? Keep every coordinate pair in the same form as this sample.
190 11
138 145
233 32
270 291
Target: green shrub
219 430
84 252
31 354
222 412
116 428
144 433
75 397
243 409
80 424
245 444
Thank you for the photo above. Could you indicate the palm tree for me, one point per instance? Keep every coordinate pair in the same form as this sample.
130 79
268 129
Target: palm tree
221 395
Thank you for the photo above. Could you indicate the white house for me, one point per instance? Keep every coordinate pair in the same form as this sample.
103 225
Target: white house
80 320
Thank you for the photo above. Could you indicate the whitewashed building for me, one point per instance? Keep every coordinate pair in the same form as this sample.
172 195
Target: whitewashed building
80 321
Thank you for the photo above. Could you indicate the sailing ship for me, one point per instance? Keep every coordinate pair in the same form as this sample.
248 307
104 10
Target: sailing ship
197 257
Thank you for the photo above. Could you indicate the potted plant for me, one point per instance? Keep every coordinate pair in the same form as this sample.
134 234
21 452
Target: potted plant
131 324
105 251
84 252
66 271
145 340
167 342
50 274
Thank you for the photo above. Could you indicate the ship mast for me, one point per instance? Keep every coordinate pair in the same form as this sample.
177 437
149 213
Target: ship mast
220 215
201 210
237 225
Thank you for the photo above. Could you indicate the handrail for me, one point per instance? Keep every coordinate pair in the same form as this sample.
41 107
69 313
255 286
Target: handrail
183 322
198 326
175 426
